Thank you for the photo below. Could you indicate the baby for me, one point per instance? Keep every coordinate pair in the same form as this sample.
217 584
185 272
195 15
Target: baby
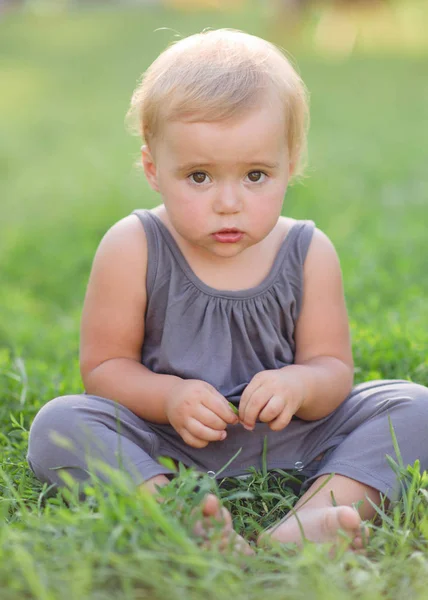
214 298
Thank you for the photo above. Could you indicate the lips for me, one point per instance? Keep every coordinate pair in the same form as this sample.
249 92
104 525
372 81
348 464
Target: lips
228 235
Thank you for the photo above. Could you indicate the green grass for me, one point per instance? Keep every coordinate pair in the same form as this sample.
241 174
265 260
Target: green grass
66 166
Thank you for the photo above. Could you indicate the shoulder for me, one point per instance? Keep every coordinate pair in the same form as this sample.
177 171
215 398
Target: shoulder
123 250
126 236
317 251
312 246
112 322
322 327
322 273
128 230
285 224
321 253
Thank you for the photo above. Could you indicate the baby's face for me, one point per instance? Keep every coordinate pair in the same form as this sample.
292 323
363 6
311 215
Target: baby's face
228 175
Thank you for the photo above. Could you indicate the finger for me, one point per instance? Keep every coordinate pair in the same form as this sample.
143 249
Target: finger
246 395
202 432
256 403
191 440
218 405
206 416
281 421
272 410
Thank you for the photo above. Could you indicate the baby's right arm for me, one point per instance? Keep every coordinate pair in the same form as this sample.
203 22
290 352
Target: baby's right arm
112 334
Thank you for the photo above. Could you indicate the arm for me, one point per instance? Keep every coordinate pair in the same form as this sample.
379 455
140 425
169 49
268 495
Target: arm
112 334
112 327
322 374
323 345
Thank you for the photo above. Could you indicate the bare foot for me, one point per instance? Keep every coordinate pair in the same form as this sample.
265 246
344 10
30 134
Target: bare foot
332 524
216 528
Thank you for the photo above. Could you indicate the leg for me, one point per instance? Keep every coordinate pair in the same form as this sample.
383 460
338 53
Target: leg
359 462
316 518
81 434
152 484
214 514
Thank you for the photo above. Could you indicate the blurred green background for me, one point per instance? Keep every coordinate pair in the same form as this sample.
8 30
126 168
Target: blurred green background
68 172
67 164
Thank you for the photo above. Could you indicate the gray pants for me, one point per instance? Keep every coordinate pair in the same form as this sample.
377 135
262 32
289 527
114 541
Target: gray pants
354 440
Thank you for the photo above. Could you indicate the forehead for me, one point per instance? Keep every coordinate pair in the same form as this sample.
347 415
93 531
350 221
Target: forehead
258 135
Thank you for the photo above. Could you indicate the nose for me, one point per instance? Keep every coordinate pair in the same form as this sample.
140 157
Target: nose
228 199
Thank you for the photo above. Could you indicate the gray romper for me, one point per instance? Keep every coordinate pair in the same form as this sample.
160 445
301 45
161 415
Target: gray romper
225 338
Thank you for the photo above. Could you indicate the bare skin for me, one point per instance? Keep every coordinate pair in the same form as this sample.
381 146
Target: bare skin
314 517
229 539
317 519
212 512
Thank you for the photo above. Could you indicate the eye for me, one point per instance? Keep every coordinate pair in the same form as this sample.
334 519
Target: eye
199 177
256 176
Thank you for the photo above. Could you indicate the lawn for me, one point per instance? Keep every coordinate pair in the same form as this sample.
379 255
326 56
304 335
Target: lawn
67 174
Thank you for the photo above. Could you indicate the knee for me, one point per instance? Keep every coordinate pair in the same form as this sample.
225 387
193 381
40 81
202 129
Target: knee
419 395
413 398
51 434
55 417
416 393
419 391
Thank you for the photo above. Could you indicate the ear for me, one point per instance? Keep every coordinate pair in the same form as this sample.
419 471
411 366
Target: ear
149 167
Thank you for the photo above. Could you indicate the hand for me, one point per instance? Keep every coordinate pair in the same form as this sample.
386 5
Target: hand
198 412
272 397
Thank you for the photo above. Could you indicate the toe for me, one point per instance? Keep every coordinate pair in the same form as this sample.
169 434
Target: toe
216 520
242 547
348 519
357 543
211 506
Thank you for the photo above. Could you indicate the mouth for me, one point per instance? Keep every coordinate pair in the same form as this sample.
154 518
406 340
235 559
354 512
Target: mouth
228 235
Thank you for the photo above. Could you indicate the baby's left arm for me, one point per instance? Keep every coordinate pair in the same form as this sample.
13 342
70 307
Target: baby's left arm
322 374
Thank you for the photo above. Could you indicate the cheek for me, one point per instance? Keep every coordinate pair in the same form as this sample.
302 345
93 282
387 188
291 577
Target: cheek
269 201
277 195
190 213
186 209
267 208
164 185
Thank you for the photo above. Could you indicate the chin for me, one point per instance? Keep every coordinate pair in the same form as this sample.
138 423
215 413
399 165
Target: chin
228 250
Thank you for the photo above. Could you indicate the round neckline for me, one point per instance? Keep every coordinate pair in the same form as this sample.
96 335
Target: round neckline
197 282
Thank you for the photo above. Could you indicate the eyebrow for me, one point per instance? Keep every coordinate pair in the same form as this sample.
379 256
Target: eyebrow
256 164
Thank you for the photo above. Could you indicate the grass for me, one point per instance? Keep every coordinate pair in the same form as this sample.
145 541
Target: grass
66 165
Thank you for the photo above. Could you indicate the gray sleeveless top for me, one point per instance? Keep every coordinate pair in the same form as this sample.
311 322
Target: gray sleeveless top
223 337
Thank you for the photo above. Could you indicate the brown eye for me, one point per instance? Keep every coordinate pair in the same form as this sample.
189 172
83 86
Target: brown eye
255 176
198 177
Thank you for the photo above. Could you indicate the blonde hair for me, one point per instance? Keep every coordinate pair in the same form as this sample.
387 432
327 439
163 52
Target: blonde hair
217 75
